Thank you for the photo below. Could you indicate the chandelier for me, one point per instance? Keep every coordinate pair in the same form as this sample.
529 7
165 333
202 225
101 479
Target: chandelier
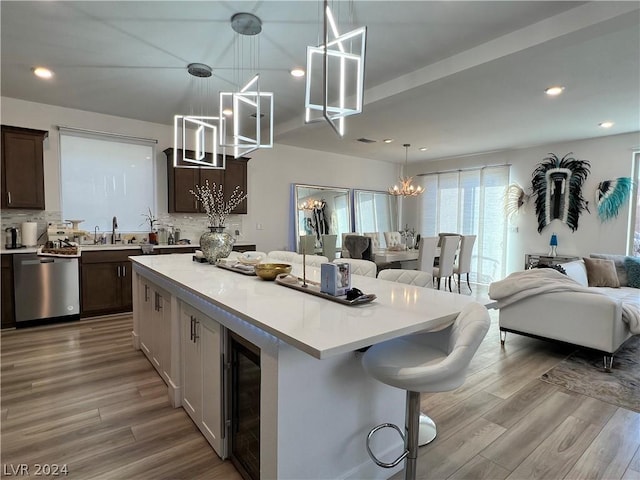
406 189
311 204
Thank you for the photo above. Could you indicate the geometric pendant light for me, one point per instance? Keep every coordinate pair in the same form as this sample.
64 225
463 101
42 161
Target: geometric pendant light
251 109
198 129
335 75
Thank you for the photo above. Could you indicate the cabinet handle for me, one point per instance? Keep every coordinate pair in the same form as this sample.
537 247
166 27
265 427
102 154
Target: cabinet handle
146 293
191 317
159 302
195 330
124 270
9 198
118 270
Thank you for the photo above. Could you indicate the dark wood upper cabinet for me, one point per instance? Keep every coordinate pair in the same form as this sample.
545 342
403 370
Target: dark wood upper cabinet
235 175
22 168
182 180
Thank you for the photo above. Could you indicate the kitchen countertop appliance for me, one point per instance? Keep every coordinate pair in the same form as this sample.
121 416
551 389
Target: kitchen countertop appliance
12 238
65 231
46 289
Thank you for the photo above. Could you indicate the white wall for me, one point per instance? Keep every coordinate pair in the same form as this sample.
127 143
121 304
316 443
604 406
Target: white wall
270 172
610 157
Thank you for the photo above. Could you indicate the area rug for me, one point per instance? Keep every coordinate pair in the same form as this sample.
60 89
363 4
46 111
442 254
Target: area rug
583 372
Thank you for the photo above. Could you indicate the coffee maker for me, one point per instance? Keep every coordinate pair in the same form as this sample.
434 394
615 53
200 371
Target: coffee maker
12 238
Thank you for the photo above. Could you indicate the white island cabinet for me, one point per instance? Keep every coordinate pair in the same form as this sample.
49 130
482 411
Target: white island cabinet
201 359
316 402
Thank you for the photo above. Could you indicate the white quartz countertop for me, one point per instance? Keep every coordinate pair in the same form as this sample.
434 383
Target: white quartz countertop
315 325
117 246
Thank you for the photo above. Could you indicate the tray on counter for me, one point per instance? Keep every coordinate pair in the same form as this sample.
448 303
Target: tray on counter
64 252
313 288
238 268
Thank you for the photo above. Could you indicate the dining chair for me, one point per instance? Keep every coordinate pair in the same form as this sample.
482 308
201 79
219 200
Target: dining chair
344 253
358 246
393 239
365 268
447 259
375 239
463 263
281 256
409 277
329 246
442 235
311 260
427 253
307 244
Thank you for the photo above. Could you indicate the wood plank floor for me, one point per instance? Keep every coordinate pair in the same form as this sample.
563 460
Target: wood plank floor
79 394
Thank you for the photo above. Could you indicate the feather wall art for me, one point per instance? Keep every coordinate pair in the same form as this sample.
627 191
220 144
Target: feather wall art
514 199
611 195
557 186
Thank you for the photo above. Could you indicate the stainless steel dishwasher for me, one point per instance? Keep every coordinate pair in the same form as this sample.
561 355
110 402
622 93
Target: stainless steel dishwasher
46 288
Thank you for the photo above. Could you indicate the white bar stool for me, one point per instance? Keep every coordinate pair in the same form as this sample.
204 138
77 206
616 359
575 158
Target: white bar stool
425 362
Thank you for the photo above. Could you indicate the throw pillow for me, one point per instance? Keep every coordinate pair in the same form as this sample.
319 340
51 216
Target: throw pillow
555 267
601 272
618 260
633 271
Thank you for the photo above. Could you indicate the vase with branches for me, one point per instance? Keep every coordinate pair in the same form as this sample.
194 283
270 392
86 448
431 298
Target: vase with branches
217 243
214 204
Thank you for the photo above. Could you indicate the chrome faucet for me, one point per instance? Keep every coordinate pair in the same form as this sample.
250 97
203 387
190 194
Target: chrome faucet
114 225
95 235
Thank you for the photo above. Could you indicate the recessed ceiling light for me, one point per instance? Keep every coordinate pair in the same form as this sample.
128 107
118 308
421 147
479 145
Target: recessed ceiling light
388 140
605 124
423 149
227 112
42 72
297 72
553 91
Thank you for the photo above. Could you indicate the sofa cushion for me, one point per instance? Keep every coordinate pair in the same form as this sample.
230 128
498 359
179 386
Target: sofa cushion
618 260
577 271
633 271
601 272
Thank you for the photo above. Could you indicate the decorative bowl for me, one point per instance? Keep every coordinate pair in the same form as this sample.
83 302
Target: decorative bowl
269 271
250 258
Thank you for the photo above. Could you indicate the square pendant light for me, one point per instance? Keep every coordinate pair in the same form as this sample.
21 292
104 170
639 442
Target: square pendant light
202 131
335 75
252 110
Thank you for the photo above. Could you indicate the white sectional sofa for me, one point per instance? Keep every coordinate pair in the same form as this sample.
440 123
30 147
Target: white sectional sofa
570 313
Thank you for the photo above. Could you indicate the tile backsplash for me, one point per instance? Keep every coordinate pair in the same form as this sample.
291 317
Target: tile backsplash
191 226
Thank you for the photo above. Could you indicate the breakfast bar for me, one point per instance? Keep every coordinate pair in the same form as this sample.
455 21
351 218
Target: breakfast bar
316 404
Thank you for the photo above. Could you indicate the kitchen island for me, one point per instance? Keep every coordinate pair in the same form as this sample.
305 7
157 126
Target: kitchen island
316 403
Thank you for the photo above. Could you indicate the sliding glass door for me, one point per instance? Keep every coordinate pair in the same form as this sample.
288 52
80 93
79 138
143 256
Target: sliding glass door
469 202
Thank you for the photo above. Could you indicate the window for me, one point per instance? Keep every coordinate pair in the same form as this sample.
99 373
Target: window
469 202
103 176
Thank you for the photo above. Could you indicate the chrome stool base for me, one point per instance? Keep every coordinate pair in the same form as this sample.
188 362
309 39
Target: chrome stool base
410 437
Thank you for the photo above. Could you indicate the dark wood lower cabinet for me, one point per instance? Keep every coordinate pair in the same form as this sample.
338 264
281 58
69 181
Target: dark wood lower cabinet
8 311
105 283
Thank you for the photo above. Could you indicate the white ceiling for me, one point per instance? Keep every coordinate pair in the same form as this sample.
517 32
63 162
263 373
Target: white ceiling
457 77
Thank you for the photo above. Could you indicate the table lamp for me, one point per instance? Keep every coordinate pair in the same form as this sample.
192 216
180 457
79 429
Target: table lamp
553 243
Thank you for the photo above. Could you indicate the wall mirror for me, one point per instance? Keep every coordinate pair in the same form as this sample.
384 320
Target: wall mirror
375 212
321 211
